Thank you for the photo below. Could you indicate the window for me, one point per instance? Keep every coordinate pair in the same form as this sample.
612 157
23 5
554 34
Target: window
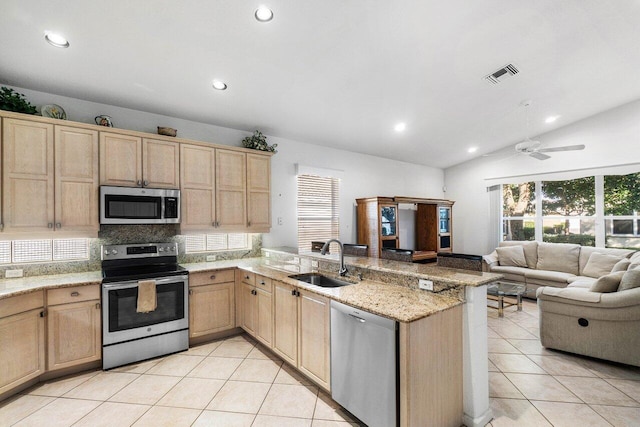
604 209
318 214
216 242
43 250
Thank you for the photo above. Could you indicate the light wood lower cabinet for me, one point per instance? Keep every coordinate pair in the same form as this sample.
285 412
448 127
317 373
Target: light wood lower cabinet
22 340
285 315
257 306
211 302
249 308
73 326
314 337
264 326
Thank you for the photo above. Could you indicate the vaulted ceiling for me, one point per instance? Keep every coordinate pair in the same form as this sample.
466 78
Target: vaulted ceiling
340 73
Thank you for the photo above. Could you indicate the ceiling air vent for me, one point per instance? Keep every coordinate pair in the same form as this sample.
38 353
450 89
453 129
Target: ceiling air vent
502 74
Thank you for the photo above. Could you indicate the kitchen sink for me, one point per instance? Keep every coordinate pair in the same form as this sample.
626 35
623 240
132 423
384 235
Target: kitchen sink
320 280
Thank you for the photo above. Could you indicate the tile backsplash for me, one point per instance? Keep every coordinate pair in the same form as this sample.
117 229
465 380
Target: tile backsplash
128 234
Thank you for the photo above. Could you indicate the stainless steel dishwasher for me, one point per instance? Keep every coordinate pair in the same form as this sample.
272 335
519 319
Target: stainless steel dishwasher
364 368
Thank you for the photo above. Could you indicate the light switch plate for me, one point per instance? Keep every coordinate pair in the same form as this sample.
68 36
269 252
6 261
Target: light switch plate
296 260
10 274
427 285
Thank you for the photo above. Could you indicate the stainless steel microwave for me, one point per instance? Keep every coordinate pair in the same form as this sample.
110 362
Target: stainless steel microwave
128 205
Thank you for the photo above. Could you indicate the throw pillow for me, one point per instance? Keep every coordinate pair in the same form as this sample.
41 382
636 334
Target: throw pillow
630 280
599 264
608 283
512 256
622 265
561 257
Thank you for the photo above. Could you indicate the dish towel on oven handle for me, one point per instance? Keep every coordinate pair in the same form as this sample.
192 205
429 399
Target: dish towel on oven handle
147 301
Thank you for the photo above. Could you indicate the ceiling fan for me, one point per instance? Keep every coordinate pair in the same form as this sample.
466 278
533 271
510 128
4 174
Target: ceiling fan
534 148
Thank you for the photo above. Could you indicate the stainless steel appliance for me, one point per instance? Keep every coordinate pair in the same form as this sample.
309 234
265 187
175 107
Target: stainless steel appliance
129 336
129 205
364 365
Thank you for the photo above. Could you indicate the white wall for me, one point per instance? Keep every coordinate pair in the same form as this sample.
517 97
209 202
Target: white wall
362 176
612 138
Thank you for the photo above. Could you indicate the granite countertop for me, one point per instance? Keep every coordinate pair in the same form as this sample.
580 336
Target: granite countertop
24 285
395 302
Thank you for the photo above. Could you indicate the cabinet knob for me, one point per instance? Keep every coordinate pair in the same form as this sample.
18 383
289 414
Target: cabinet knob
98 306
145 183
1 226
246 277
248 223
213 276
50 225
190 291
262 282
293 292
75 294
139 183
58 225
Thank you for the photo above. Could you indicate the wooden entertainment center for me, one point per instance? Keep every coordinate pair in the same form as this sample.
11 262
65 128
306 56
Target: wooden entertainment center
377 224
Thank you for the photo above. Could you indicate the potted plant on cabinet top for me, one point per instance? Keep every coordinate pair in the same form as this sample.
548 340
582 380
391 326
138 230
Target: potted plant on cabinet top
11 100
258 141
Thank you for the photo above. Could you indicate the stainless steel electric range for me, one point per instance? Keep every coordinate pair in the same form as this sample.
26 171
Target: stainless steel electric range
128 335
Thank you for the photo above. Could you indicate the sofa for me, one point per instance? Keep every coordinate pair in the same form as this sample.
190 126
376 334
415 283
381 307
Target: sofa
555 264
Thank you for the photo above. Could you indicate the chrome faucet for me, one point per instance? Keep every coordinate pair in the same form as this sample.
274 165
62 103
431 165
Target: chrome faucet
323 251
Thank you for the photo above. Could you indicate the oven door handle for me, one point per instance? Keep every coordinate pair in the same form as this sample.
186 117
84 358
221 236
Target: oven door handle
134 283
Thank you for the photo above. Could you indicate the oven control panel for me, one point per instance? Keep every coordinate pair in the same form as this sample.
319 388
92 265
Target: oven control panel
145 250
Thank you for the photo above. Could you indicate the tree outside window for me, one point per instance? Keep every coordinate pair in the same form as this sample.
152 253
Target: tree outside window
518 211
622 210
567 209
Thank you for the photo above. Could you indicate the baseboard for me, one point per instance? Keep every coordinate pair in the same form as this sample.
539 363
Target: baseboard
480 421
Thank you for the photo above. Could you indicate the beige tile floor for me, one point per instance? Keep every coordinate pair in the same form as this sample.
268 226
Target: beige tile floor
533 386
236 382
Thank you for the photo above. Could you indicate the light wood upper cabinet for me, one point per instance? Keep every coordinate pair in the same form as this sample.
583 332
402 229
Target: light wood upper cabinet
76 179
28 176
22 334
198 187
160 164
258 193
285 316
231 190
120 160
314 332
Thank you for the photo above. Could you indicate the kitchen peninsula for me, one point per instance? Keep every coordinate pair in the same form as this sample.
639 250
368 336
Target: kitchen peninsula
453 316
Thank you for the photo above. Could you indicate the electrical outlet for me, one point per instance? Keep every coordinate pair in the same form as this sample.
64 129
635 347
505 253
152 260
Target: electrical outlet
267 254
10 274
279 220
296 260
427 285
314 264
211 257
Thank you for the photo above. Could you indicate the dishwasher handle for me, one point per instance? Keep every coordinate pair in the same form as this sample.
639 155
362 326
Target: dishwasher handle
359 319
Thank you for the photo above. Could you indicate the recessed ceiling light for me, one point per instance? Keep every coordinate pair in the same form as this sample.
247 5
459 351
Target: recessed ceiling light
264 14
55 39
400 127
472 149
219 85
551 119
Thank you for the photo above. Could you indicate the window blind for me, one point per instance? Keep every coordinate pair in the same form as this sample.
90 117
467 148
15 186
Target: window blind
318 214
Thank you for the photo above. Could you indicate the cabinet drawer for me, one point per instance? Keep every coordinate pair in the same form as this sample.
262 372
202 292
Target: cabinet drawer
73 294
211 277
263 283
21 303
247 277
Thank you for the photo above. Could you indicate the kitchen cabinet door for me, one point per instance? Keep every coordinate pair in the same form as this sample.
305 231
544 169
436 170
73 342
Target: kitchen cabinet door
249 309
285 313
314 334
198 187
258 193
231 191
76 180
22 359
28 177
264 326
120 160
160 164
74 336
211 309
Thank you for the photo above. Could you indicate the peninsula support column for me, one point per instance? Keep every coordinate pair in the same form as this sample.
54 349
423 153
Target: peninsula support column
475 365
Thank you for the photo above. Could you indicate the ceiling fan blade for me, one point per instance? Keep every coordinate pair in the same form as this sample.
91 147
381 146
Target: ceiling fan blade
564 148
539 156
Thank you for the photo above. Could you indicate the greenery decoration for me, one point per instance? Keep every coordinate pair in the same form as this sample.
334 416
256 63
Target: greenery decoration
258 141
11 100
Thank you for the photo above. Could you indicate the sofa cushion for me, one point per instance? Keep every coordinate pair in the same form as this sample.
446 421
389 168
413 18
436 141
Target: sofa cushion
581 282
511 256
530 250
586 251
575 294
514 274
630 280
622 265
600 264
558 257
608 283
553 276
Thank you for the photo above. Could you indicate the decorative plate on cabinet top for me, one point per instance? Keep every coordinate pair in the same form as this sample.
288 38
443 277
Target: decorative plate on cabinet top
53 111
